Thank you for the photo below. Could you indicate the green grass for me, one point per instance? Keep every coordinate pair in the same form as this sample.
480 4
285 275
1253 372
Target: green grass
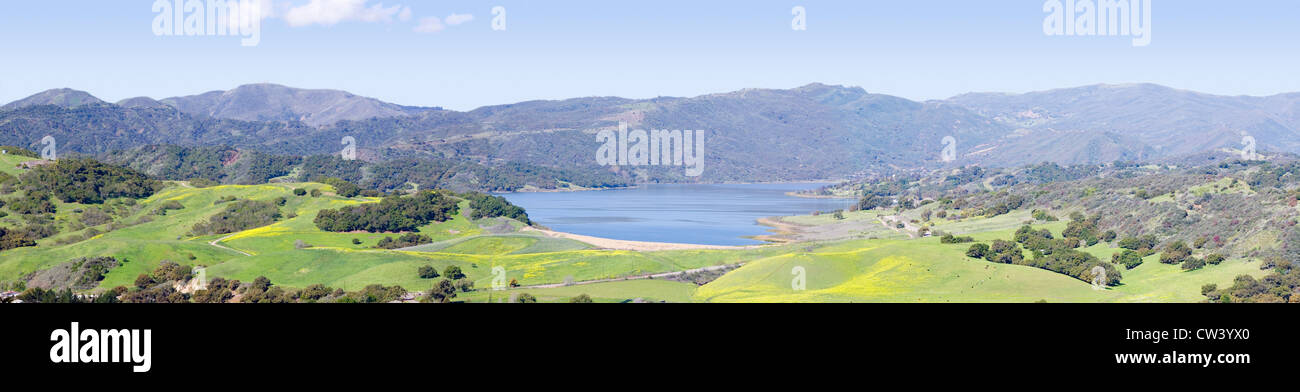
924 270
890 269
620 291
9 164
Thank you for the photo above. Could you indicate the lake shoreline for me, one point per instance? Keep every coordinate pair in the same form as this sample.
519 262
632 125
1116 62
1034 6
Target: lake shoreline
676 216
637 186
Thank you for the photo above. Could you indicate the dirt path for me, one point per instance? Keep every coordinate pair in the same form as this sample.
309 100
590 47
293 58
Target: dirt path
892 222
216 244
606 243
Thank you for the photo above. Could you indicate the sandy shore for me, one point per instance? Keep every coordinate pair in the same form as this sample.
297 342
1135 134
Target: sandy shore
606 243
782 231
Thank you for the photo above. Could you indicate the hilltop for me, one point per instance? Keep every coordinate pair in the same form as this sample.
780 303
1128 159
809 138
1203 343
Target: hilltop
813 132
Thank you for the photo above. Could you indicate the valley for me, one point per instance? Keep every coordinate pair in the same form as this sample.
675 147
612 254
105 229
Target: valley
848 255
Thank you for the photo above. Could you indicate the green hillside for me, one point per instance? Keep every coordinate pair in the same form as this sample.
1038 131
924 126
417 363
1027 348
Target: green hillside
859 256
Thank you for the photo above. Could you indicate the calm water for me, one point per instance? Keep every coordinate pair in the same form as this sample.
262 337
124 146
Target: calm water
689 214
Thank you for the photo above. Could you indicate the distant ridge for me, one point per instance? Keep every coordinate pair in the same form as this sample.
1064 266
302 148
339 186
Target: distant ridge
273 102
62 97
812 132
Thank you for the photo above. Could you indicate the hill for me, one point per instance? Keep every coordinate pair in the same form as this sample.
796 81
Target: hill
63 97
271 102
814 132
1135 122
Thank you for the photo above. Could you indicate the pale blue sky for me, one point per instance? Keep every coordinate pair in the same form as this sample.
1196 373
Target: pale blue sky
638 49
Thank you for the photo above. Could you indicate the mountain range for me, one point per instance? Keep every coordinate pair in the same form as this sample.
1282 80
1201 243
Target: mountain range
811 132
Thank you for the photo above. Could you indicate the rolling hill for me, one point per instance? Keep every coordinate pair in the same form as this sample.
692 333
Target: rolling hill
806 133
271 102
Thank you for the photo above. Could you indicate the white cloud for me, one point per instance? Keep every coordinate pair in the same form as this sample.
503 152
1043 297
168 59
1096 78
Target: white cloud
455 19
331 12
430 25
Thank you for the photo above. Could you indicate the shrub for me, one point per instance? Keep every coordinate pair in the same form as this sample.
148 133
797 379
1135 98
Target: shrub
442 292
1146 242
428 272
951 239
487 206
239 216
87 181
1193 263
405 241
1175 253
392 214
581 299
454 273
1128 258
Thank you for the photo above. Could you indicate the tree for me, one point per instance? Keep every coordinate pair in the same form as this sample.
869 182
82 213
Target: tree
299 192
392 214
262 283
239 216
581 299
143 281
341 187
88 181
1146 242
453 272
171 271
525 298
428 272
1193 263
1128 258
1176 253
442 292
487 206
977 251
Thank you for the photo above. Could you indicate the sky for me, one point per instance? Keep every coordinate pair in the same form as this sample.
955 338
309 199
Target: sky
447 53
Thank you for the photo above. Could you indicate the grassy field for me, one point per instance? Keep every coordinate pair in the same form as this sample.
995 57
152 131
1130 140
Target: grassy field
886 267
332 258
621 291
925 270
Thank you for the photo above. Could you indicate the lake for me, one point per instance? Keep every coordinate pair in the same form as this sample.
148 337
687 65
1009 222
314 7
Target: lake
722 214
